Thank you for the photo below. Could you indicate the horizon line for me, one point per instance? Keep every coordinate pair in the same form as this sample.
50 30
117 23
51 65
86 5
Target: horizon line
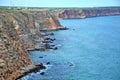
55 7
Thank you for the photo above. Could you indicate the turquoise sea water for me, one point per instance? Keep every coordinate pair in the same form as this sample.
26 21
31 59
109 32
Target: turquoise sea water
91 46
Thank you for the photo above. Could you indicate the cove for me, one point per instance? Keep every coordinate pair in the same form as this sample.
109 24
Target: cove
89 50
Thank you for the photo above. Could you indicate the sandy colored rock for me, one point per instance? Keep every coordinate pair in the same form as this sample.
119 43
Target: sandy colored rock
86 12
19 32
1 61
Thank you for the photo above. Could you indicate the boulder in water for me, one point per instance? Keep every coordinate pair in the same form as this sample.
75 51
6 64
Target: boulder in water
71 63
42 73
40 56
48 63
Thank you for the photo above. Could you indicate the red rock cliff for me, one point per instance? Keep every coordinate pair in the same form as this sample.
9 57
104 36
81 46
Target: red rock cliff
87 12
19 32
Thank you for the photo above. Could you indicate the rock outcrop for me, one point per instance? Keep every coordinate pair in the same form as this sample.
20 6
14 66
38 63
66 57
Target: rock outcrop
86 12
13 54
19 32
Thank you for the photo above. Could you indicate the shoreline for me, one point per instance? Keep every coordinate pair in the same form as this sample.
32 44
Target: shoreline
33 68
47 41
56 29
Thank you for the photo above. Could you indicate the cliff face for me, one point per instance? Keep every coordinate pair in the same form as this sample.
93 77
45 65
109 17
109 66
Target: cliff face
19 32
13 55
88 12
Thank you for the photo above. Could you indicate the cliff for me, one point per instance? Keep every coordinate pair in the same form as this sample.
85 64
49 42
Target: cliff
19 32
86 12
13 55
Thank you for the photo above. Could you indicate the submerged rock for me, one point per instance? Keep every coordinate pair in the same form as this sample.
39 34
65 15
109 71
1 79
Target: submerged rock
54 47
48 63
40 56
42 73
51 33
70 63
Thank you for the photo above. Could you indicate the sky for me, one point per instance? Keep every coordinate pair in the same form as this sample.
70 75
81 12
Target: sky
60 3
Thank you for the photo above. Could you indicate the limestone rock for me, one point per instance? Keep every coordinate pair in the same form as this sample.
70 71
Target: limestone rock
19 32
87 12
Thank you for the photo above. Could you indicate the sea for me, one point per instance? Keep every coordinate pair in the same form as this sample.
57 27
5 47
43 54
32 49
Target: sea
88 50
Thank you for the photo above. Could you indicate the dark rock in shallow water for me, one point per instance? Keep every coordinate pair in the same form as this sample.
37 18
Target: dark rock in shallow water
54 47
40 56
35 68
48 40
42 48
73 29
70 64
47 46
63 28
39 66
48 63
45 55
53 39
42 73
51 33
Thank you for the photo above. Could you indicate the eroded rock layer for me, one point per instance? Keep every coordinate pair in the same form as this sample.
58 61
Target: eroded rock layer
87 12
19 32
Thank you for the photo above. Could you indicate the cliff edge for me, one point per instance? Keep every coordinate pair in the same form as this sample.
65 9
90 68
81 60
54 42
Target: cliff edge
19 32
86 12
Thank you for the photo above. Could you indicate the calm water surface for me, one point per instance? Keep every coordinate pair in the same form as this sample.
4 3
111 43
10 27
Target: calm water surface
91 46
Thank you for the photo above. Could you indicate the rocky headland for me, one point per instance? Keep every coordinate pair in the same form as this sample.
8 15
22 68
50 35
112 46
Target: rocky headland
20 32
68 13
23 30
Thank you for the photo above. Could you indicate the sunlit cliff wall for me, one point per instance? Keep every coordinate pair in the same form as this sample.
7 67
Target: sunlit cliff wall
87 12
19 32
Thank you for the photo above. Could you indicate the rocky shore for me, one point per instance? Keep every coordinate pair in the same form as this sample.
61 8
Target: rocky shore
68 13
46 43
30 69
20 32
25 30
